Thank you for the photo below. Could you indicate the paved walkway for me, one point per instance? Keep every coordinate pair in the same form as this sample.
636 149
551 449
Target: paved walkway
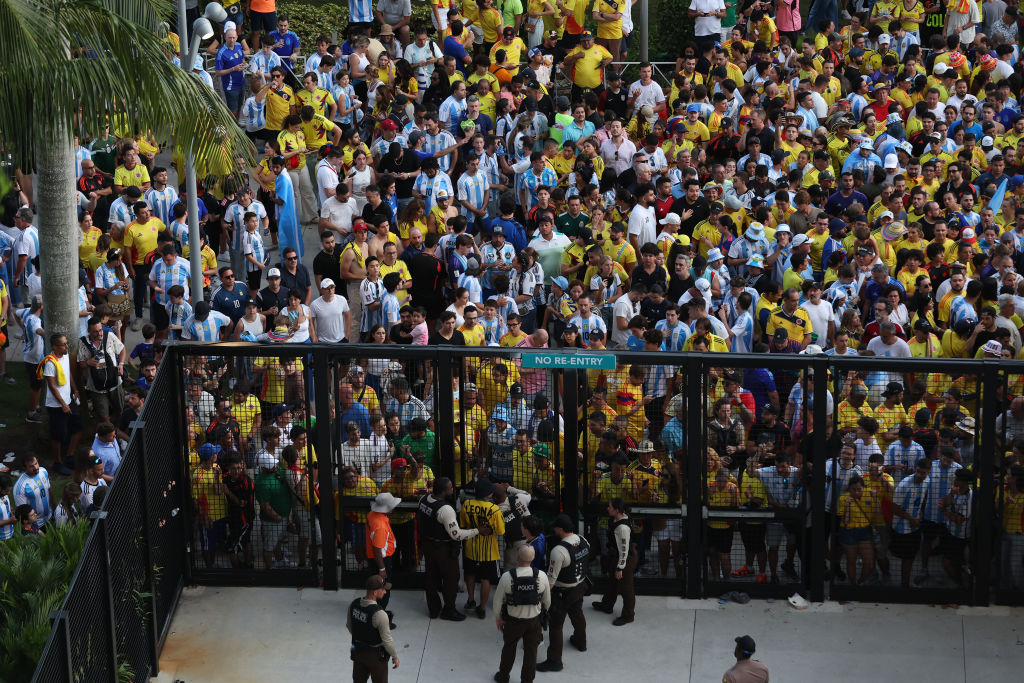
277 634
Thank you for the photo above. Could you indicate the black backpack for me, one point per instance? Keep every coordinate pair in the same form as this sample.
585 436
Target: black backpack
104 378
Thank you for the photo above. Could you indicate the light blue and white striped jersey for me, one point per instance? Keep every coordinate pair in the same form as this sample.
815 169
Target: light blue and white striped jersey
408 411
589 324
253 116
961 505
959 310
325 79
160 203
675 336
360 11
107 277
910 496
344 97
166 277
844 294
252 243
6 531
33 346
743 333
178 314
83 306
489 167
491 255
435 143
312 63
906 457
34 491
234 216
371 293
729 301
782 262
839 480
389 310
472 285
120 211
450 113
743 248
494 330
656 382
81 154
179 231
262 63
208 330
473 189
940 481
531 181
429 187
381 146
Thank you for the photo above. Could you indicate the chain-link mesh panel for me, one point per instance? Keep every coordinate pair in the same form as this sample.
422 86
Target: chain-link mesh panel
1009 490
88 611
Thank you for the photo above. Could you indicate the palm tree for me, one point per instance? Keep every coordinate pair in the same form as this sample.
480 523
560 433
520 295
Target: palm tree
72 67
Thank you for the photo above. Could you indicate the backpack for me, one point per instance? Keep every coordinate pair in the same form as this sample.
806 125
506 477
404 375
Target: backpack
104 378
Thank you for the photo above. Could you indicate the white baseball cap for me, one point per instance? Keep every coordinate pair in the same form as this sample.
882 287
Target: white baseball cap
799 239
326 282
891 161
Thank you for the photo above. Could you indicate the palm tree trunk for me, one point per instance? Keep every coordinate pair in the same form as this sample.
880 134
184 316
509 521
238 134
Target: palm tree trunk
58 238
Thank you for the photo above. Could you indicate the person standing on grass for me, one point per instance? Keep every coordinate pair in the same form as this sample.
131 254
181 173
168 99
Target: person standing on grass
62 402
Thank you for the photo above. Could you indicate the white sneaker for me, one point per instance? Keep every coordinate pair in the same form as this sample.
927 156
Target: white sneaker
136 325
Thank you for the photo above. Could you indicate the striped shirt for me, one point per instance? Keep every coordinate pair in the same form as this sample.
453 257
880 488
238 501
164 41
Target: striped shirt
904 457
472 284
473 190
781 490
489 167
435 143
32 345
910 496
360 11
179 231
178 314
344 97
166 277
531 181
27 244
254 115
451 111
743 333
842 479
6 531
370 293
106 278
429 187
389 310
656 382
252 243
235 218
482 512
34 491
81 154
206 331
961 505
491 255
160 203
262 63
381 146
588 325
121 212
675 337
407 411
940 481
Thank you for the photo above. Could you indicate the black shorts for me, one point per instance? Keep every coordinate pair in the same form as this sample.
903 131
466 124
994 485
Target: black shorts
753 536
34 383
721 539
932 529
482 571
268 135
905 546
63 425
263 22
952 548
158 316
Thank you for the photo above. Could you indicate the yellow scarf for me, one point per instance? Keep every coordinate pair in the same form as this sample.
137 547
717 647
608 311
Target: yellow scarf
61 379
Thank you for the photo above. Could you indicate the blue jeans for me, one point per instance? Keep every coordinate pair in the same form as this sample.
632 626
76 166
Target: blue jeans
233 98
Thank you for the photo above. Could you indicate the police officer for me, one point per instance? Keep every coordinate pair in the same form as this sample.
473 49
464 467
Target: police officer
514 506
371 636
522 594
620 561
441 537
567 569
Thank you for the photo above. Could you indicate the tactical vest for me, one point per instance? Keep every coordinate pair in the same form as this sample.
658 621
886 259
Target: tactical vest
426 519
513 522
524 589
363 630
574 572
613 544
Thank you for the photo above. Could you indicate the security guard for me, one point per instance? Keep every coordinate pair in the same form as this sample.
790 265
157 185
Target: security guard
568 570
522 595
514 506
620 563
441 537
371 635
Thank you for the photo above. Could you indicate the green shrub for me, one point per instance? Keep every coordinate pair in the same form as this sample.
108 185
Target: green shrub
34 577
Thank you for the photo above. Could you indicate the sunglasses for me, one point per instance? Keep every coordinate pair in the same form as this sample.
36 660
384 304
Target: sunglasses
291 258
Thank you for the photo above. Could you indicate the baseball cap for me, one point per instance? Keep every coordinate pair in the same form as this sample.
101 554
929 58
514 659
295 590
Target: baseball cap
508 32
266 462
358 225
746 643
208 450
399 463
586 35
671 218
780 336
388 124
987 141
560 280
799 239
991 348
273 272
326 282
500 413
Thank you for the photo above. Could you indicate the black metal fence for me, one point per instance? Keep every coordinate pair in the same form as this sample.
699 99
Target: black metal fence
701 445
123 594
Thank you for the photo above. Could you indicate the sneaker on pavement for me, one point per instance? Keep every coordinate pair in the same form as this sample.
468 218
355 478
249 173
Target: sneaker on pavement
742 571
548 665
7 379
136 325
34 418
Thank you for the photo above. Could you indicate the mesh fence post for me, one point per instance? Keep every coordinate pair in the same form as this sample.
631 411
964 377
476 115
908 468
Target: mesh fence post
819 534
443 404
570 475
984 462
178 376
694 478
152 630
100 520
322 399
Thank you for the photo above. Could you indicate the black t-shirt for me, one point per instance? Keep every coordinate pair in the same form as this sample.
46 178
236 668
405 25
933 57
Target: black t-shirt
616 102
677 287
652 311
700 213
657 277
400 335
127 417
369 212
457 339
407 164
327 265
269 299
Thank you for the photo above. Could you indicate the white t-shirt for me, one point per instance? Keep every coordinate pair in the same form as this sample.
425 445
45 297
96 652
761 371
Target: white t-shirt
820 314
707 26
650 94
64 390
326 177
898 349
624 308
339 213
330 318
644 224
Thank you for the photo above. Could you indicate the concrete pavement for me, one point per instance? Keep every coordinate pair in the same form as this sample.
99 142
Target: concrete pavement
275 634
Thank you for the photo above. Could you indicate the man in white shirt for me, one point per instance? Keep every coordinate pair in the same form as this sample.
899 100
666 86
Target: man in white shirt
338 211
327 175
618 150
625 308
643 221
331 316
707 21
646 91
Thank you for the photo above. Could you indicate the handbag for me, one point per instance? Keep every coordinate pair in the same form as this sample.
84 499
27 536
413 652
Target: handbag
120 304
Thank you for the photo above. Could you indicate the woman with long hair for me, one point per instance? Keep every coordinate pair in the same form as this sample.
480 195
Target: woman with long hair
68 510
438 90
412 216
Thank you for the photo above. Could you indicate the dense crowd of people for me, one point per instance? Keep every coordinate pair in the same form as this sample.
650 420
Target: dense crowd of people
849 187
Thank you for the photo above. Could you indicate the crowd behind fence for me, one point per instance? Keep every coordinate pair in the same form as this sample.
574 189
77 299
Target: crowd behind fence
122 596
736 484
